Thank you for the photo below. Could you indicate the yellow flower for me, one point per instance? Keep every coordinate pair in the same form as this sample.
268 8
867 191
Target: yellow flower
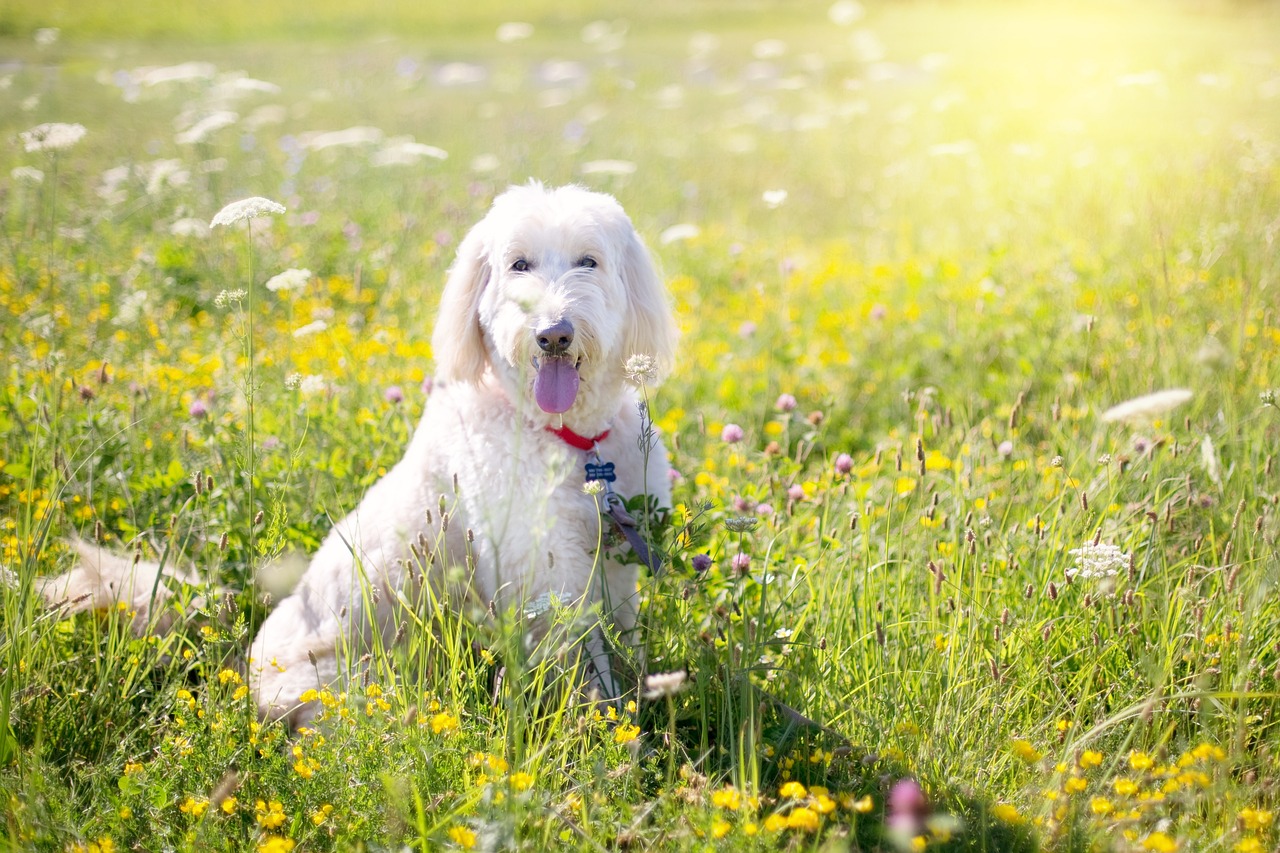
1063 725
1249 844
1008 813
1160 843
463 837
521 781
443 722
775 823
941 642
321 814
727 798
269 815
229 676
1028 753
792 790
1074 785
805 819
626 733
228 805
1256 819
1139 760
1090 758
720 828
1207 751
864 805
125 812
1100 805
193 806
1125 787
275 844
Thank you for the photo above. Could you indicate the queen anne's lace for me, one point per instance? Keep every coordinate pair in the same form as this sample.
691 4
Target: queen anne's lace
248 208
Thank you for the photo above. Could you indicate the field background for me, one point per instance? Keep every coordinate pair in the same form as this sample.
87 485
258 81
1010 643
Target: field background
916 249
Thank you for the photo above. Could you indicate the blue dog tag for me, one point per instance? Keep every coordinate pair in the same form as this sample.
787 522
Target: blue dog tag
601 471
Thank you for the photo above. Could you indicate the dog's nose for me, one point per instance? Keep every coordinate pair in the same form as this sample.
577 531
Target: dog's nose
555 339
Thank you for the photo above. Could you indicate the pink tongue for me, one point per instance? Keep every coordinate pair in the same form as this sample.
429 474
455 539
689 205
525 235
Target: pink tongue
556 385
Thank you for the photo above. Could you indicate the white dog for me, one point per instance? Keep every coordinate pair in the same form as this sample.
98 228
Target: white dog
550 294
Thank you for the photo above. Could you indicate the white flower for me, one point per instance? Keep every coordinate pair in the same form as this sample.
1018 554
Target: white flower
1147 407
293 380
609 167
227 297
1098 561
310 385
663 684
782 634
404 151
514 31
641 369
27 174
683 231
310 329
205 127
349 138
46 36
245 209
290 279
52 136
773 199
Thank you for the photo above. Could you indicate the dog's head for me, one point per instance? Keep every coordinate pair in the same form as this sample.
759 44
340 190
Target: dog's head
552 288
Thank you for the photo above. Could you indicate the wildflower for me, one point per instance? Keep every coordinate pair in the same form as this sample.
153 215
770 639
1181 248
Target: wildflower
228 805
741 562
641 369
1256 819
785 403
1100 805
27 174
720 828
1266 398
741 523
125 813
1099 560
805 819
290 279
246 209
1024 750
795 492
194 806
229 676
862 805
52 136
1249 844
793 791
844 463
1075 785
1090 758
1125 787
727 798
320 815
750 828
275 844
907 807
1147 407
773 199
775 823
269 815
228 297
701 562
732 434
626 733
1139 760
393 395
310 328
663 684
1007 813
443 722
1160 843
198 409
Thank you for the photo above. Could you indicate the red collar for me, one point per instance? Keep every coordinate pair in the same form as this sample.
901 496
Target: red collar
571 438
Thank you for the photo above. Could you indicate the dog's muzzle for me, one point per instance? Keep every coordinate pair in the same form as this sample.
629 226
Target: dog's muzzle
555 340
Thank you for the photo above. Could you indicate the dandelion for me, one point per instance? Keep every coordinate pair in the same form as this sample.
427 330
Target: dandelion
663 684
1148 407
245 210
290 279
1098 560
52 136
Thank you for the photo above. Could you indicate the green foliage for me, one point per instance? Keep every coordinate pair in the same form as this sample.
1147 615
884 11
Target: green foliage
922 552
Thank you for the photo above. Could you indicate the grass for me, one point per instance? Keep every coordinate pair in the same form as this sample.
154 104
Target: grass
999 221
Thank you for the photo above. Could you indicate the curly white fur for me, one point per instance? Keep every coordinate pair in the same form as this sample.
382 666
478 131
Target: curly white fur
541 260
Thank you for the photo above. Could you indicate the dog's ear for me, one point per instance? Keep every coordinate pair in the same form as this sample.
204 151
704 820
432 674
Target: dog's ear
458 340
651 326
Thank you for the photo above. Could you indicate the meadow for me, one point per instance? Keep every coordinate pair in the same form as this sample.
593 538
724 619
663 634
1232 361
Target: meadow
932 586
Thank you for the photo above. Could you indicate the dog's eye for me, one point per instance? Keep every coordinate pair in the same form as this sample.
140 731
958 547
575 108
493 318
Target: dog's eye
587 261
520 265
